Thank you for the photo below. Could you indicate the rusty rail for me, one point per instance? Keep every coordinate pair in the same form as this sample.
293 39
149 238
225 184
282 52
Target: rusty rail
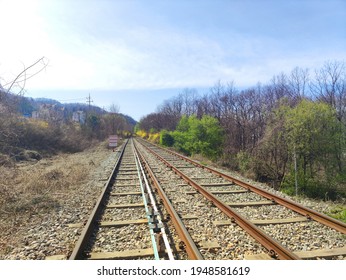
79 248
190 245
275 249
309 213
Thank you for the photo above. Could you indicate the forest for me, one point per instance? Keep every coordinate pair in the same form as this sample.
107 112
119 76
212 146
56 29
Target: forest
289 132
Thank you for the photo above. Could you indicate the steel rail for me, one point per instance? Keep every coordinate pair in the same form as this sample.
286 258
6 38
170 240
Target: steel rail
309 213
275 249
146 189
191 248
145 200
79 248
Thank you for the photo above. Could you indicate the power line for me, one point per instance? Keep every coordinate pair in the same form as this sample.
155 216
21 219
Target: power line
71 99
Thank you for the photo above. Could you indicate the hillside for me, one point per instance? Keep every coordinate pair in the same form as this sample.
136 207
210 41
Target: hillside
26 106
31 128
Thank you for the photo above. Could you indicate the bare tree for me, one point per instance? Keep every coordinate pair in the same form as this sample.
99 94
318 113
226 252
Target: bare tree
216 94
170 110
330 86
7 89
9 132
153 121
203 107
114 108
188 99
115 121
298 82
20 80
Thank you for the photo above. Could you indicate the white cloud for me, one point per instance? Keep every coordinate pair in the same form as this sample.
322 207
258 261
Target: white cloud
134 56
146 60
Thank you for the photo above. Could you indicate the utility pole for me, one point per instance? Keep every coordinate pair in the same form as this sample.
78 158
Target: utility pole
295 170
89 101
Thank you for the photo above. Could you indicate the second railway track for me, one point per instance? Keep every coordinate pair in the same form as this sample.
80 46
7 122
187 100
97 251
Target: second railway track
178 209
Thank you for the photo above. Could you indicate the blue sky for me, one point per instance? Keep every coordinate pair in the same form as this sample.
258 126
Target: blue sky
135 54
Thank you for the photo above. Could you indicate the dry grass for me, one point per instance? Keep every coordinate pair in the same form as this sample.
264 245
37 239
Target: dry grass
30 191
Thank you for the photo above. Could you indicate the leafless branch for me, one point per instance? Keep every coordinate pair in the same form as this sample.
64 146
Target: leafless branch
22 76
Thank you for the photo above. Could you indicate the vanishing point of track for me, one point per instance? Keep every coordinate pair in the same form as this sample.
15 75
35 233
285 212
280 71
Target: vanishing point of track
160 205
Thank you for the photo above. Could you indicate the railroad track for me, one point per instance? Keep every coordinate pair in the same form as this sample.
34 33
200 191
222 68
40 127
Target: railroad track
125 222
285 229
178 209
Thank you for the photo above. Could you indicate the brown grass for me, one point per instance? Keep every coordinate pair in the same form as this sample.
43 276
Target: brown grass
31 191
27 189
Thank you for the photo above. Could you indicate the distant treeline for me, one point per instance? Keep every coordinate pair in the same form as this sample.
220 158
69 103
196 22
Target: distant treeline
289 132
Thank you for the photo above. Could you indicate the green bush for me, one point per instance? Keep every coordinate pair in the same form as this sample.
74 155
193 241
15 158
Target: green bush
310 187
181 142
166 139
199 136
244 161
339 213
